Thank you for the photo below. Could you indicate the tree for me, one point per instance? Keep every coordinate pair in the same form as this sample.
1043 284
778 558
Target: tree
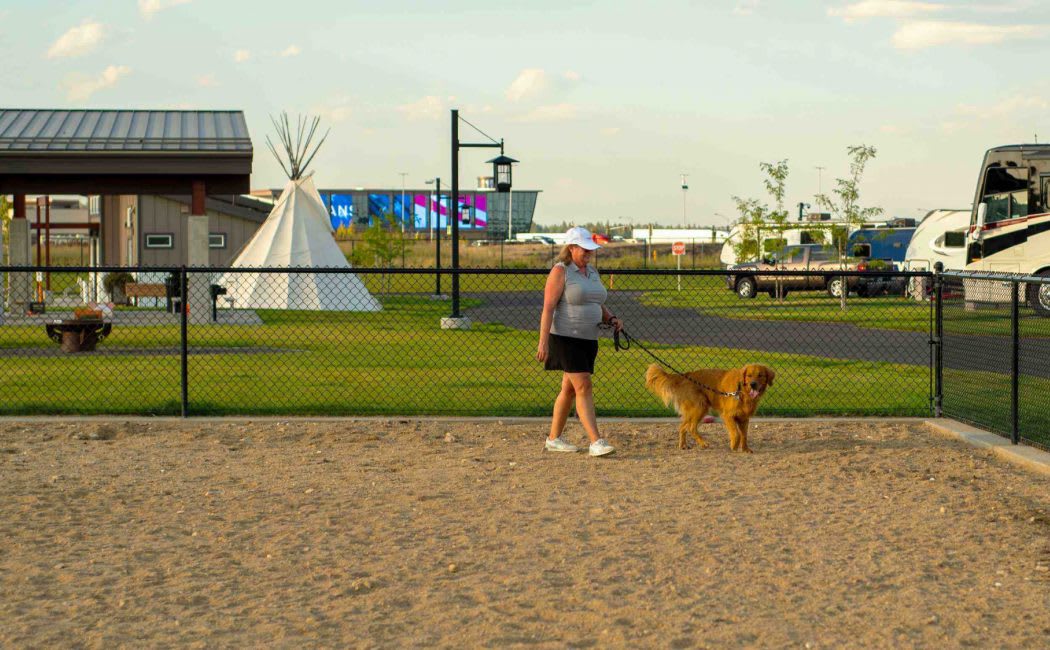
847 191
383 243
757 220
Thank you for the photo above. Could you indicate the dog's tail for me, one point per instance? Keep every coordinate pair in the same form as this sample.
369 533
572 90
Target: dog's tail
660 383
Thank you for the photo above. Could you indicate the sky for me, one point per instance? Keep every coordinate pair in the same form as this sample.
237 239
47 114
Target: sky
605 104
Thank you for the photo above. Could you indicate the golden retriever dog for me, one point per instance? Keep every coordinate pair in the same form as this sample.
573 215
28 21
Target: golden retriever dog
692 401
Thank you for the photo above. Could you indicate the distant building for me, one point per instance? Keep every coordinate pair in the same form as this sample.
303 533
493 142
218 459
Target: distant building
482 212
686 235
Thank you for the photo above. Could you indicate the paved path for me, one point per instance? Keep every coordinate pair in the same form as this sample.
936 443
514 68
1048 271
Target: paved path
676 326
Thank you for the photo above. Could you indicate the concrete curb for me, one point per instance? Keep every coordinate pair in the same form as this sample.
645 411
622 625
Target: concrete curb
1028 457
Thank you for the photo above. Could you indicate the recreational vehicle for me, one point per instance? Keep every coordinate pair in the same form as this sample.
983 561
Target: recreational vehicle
1010 223
939 237
815 229
886 242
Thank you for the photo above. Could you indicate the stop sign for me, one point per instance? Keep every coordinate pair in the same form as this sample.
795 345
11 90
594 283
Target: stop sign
678 248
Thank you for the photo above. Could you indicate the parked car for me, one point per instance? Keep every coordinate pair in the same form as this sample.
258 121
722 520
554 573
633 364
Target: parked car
820 263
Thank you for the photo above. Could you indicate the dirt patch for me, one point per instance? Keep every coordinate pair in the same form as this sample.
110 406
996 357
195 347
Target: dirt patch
395 533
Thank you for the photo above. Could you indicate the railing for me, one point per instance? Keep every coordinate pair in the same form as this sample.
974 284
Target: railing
370 341
996 352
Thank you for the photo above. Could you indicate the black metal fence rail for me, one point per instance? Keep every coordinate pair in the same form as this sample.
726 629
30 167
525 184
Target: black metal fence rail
370 341
996 352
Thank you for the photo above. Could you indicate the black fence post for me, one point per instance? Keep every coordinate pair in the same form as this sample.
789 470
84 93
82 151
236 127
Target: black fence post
184 342
1015 362
938 340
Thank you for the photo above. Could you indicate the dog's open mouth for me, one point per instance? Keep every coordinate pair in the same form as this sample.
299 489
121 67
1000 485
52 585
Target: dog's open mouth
755 393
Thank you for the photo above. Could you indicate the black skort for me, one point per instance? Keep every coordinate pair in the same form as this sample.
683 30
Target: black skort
570 354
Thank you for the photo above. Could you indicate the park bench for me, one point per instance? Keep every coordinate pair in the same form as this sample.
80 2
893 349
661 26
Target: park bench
145 290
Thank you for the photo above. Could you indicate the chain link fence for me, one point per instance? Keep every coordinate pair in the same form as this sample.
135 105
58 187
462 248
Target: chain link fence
371 341
996 353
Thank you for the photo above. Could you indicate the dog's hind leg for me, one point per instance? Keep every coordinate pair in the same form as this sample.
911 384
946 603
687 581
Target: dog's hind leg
691 416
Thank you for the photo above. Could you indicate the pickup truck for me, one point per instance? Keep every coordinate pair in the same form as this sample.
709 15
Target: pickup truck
820 263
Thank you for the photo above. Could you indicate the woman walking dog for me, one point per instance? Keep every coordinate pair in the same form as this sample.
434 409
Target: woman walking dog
573 308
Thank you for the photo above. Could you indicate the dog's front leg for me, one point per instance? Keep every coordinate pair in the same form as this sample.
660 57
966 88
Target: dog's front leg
733 427
742 424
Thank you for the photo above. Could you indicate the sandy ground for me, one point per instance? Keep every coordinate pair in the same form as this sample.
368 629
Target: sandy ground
406 533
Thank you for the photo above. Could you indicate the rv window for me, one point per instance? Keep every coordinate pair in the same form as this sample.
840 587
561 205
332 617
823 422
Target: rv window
955 239
862 250
1006 193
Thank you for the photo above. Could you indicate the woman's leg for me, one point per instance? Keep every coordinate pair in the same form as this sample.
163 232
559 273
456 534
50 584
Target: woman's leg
562 404
581 384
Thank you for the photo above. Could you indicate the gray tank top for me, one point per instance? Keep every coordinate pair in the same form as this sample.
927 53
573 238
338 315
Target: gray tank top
579 312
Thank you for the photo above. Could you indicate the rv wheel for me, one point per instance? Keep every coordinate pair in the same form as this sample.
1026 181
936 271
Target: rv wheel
1039 296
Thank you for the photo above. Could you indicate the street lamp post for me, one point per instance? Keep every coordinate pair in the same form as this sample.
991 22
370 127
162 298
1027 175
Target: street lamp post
437 236
502 176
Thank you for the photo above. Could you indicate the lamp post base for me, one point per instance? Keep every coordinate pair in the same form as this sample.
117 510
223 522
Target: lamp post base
455 323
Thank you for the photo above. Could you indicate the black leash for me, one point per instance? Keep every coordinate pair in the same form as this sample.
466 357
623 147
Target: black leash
626 345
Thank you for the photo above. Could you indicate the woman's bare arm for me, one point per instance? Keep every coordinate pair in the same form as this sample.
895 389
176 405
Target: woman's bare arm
551 295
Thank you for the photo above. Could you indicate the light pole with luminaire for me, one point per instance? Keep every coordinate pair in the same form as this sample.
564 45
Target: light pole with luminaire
501 172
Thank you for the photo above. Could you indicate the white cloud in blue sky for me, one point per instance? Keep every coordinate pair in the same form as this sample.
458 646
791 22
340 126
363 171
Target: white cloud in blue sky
620 97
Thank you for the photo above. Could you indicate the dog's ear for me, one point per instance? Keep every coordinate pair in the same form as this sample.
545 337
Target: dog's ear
771 375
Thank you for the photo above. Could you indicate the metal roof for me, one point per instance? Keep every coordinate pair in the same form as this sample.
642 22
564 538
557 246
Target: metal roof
25 131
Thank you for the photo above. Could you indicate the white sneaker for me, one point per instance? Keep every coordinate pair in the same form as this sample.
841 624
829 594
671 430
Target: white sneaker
559 444
600 448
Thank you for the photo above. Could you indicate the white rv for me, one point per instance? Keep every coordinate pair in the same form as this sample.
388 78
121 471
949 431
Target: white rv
939 237
1010 223
816 228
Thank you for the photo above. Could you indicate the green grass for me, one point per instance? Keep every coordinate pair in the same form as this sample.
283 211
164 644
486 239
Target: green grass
399 362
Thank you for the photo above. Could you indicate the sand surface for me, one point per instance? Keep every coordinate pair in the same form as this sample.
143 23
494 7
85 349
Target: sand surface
408 533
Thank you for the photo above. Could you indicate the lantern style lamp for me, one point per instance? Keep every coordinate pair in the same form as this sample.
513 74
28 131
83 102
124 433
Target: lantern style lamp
501 172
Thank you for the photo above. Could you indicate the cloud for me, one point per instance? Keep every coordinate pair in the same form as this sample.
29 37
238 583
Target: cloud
240 56
922 34
550 113
291 50
610 131
335 111
427 108
1015 105
78 40
207 81
885 9
1012 110
746 7
535 84
529 82
149 8
890 129
81 88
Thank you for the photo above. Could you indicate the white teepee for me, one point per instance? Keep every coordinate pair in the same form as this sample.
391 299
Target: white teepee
296 234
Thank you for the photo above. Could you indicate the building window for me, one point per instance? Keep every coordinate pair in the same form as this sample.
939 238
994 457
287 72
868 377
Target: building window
217 240
157 240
